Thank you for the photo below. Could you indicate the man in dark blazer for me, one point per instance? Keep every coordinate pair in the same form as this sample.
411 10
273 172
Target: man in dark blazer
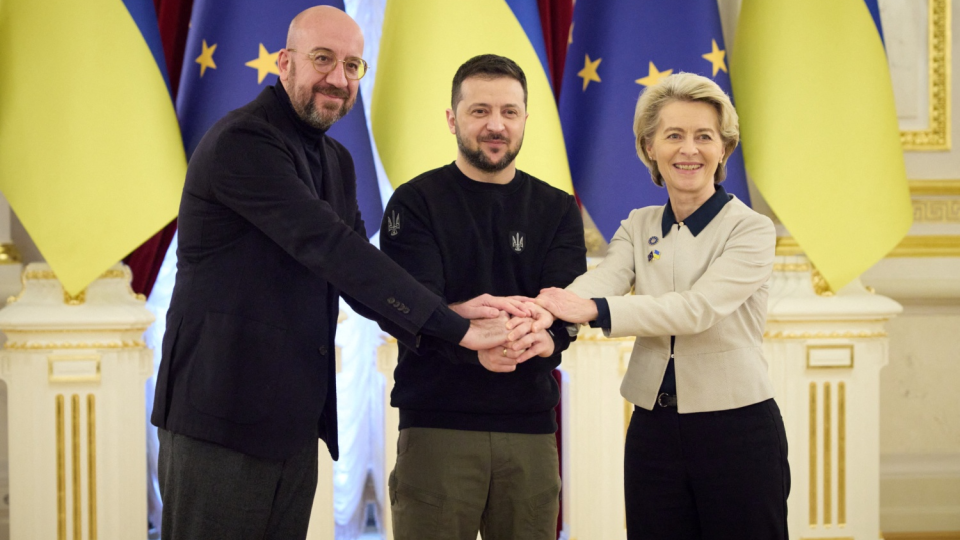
270 238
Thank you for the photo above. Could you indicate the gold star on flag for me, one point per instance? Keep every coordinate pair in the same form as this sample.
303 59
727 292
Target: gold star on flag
589 72
206 58
265 63
716 57
654 76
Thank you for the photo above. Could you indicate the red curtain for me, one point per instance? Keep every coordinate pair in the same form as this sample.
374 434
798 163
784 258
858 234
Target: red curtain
174 19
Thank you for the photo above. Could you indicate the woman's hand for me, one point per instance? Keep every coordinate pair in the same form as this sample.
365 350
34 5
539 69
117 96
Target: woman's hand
567 306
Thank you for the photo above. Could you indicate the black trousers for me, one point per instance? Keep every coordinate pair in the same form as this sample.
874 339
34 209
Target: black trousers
712 475
211 493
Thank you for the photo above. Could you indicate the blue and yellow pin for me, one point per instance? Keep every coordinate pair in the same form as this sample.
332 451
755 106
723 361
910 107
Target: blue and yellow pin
653 256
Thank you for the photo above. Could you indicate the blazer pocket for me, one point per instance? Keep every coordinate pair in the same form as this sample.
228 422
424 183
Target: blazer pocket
234 376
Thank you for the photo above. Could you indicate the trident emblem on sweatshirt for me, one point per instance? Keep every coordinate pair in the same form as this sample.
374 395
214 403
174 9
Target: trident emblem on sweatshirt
393 223
516 241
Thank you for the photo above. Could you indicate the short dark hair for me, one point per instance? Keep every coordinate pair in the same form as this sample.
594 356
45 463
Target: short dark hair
487 66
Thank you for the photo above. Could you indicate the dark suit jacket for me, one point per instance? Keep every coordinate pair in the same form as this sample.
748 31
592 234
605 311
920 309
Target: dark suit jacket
266 245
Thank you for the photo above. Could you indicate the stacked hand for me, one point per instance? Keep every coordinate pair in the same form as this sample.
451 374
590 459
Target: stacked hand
506 331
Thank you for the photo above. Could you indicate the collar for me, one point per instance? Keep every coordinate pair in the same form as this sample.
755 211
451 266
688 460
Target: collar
700 218
306 129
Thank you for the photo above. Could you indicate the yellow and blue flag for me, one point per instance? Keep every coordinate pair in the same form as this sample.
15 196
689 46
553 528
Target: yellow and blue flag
91 158
231 55
422 45
617 49
819 129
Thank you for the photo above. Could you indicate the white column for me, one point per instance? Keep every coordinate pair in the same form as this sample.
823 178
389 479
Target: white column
10 267
825 353
75 369
595 418
386 363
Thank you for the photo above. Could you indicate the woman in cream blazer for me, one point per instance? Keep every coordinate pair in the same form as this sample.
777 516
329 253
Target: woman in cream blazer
706 452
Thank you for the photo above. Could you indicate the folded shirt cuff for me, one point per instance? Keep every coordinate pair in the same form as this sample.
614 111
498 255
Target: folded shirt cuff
603 314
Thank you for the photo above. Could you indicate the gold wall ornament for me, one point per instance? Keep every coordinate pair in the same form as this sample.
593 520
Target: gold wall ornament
820 285
812 451
827 457
61 471
9 254
92 463
936 210
910 246
937 134
934 188
124 344
841 454
75 439
792 267
72 300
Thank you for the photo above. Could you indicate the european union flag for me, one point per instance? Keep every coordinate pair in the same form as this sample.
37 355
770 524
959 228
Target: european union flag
618 48
231 55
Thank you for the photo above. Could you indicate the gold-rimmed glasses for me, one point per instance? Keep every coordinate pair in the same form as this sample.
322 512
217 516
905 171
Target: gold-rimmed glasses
324 61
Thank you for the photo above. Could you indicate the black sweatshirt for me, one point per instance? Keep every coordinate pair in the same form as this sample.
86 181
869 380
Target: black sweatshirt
462 238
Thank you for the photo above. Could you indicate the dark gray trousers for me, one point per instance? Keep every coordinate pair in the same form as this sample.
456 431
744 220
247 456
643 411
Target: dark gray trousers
210 492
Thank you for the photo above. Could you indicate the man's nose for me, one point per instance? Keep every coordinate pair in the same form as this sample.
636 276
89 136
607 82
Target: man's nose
338 76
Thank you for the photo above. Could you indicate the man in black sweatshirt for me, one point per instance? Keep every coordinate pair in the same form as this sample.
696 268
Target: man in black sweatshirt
477 449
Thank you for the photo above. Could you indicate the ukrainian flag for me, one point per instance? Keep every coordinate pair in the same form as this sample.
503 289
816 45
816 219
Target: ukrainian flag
422 45
819 129
91 158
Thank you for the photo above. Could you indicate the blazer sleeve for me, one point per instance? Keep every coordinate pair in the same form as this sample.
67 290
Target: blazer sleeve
744 265
616 273
255 176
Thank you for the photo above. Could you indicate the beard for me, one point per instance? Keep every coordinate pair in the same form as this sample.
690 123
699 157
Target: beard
478 159
305 105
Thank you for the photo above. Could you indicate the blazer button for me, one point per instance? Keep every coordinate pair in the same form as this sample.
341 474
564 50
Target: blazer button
406 309
322 351
391 300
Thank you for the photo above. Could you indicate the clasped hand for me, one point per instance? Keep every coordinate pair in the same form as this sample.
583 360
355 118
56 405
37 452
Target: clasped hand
515 326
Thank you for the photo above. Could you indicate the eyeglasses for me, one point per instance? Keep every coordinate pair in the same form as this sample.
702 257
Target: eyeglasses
324 61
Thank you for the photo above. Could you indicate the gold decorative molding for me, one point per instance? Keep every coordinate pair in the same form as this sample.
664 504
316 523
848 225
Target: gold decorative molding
9 254
72 300
92 463
61 472
841 454
934 188
825 335
75 439
820 285
792 267
937 134
910 246
827 457
812 450
125 344
936 211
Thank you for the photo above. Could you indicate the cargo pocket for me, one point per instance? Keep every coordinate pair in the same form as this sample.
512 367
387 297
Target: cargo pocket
416 513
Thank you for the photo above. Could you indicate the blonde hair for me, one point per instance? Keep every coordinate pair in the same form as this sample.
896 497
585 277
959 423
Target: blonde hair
683 87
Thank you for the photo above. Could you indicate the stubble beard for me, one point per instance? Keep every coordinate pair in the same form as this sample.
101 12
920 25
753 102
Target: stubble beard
305 105
480 160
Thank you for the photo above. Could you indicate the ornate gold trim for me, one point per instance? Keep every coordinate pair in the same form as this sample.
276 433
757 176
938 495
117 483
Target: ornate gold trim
126 344
92 463
934 188
936 211
74 300
813 455
937 134
75 433
53 359
841 454
819 283
910 246
792 267
9 254
61 472
825 335
827 461
137 329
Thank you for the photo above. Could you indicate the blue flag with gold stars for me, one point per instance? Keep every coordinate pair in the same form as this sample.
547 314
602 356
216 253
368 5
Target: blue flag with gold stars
618 48
231 55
